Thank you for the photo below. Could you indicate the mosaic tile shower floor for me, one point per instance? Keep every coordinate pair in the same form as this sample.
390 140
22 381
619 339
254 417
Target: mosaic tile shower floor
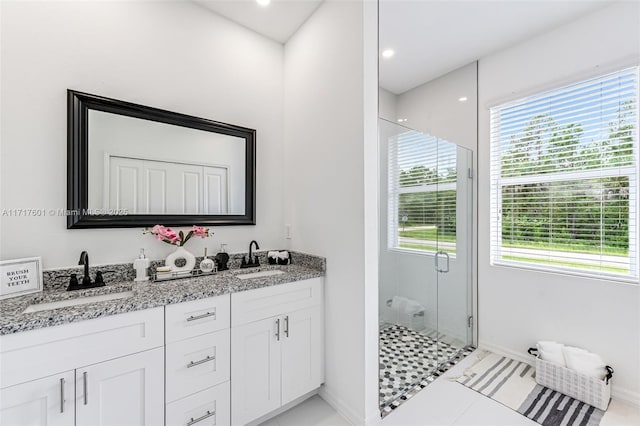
408 361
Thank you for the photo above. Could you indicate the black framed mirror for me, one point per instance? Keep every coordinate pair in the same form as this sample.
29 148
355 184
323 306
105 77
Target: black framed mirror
131 165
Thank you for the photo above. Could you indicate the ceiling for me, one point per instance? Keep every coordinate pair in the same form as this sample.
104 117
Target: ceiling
277 21
432 37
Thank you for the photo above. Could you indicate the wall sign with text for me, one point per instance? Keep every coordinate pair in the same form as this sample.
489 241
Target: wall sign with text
20 276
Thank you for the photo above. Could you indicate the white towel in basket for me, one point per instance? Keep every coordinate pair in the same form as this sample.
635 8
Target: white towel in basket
585 362
552 352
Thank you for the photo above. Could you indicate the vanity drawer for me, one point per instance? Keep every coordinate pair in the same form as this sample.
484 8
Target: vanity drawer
189 319
197 363
207 408
255 305
39 353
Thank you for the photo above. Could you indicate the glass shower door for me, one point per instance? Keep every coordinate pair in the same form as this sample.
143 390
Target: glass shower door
408 280
453 257
425 257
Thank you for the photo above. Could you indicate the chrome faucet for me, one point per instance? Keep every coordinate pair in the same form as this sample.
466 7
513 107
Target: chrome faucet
252 262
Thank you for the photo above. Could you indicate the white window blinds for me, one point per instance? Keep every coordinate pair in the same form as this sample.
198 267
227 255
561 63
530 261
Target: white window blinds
422 193
564 178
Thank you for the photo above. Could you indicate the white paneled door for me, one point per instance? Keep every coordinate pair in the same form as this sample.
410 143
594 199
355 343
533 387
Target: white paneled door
162 187
125 186
43 402
127 391
215 188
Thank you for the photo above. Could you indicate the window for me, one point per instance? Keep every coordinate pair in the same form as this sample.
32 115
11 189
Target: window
564 179
422 193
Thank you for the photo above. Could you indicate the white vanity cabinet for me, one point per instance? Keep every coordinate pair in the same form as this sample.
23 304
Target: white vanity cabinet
277 347
198 362
104 371
214 361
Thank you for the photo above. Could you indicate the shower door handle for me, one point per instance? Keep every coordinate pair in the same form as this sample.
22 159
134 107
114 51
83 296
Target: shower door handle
437 260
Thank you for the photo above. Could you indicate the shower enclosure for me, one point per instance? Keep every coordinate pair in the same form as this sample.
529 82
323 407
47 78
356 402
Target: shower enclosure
426 189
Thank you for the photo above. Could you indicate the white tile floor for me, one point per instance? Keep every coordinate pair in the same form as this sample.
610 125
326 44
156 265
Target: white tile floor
442 403
312 412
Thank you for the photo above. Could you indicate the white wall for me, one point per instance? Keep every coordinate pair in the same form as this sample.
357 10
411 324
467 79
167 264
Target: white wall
519 307
434 108
387 105
170 55
324 177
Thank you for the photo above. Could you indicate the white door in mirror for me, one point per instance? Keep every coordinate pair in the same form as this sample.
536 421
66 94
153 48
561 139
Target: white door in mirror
145 186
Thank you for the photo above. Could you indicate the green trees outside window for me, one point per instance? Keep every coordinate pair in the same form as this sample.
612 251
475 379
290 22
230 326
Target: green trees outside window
564 177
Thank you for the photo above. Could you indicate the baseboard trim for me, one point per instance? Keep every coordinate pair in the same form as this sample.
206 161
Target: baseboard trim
339 405
625 395
617 393
373 418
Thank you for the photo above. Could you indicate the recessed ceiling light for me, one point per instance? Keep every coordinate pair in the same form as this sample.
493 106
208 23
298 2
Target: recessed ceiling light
263 2
402 120
463 99
388 53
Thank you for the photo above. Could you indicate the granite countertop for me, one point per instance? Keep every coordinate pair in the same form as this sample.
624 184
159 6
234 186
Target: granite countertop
146 295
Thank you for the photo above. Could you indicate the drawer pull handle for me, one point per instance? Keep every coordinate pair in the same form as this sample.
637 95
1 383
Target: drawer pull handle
84 387
202 361
62 395
286 326
199 419
205 315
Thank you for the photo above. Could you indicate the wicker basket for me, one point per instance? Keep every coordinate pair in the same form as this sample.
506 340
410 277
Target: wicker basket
579 386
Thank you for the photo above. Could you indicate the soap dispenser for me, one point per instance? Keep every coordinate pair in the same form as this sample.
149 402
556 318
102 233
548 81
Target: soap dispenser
222 258
141 265
206 264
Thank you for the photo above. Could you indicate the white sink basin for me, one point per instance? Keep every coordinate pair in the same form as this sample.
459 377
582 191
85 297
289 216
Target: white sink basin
74 302
259 274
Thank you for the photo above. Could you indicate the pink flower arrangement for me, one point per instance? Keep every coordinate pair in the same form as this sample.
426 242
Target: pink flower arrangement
169 236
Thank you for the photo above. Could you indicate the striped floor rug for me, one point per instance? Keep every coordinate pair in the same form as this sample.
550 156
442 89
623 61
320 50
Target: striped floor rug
512 383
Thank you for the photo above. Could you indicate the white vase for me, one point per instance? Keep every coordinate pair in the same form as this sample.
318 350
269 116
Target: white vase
180 253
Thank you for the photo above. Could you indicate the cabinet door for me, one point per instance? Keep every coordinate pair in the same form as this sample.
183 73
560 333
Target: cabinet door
42 402
123 391
302 353
255 370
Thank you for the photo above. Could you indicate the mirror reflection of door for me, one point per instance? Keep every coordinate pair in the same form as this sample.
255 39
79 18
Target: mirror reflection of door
151 168
143 186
